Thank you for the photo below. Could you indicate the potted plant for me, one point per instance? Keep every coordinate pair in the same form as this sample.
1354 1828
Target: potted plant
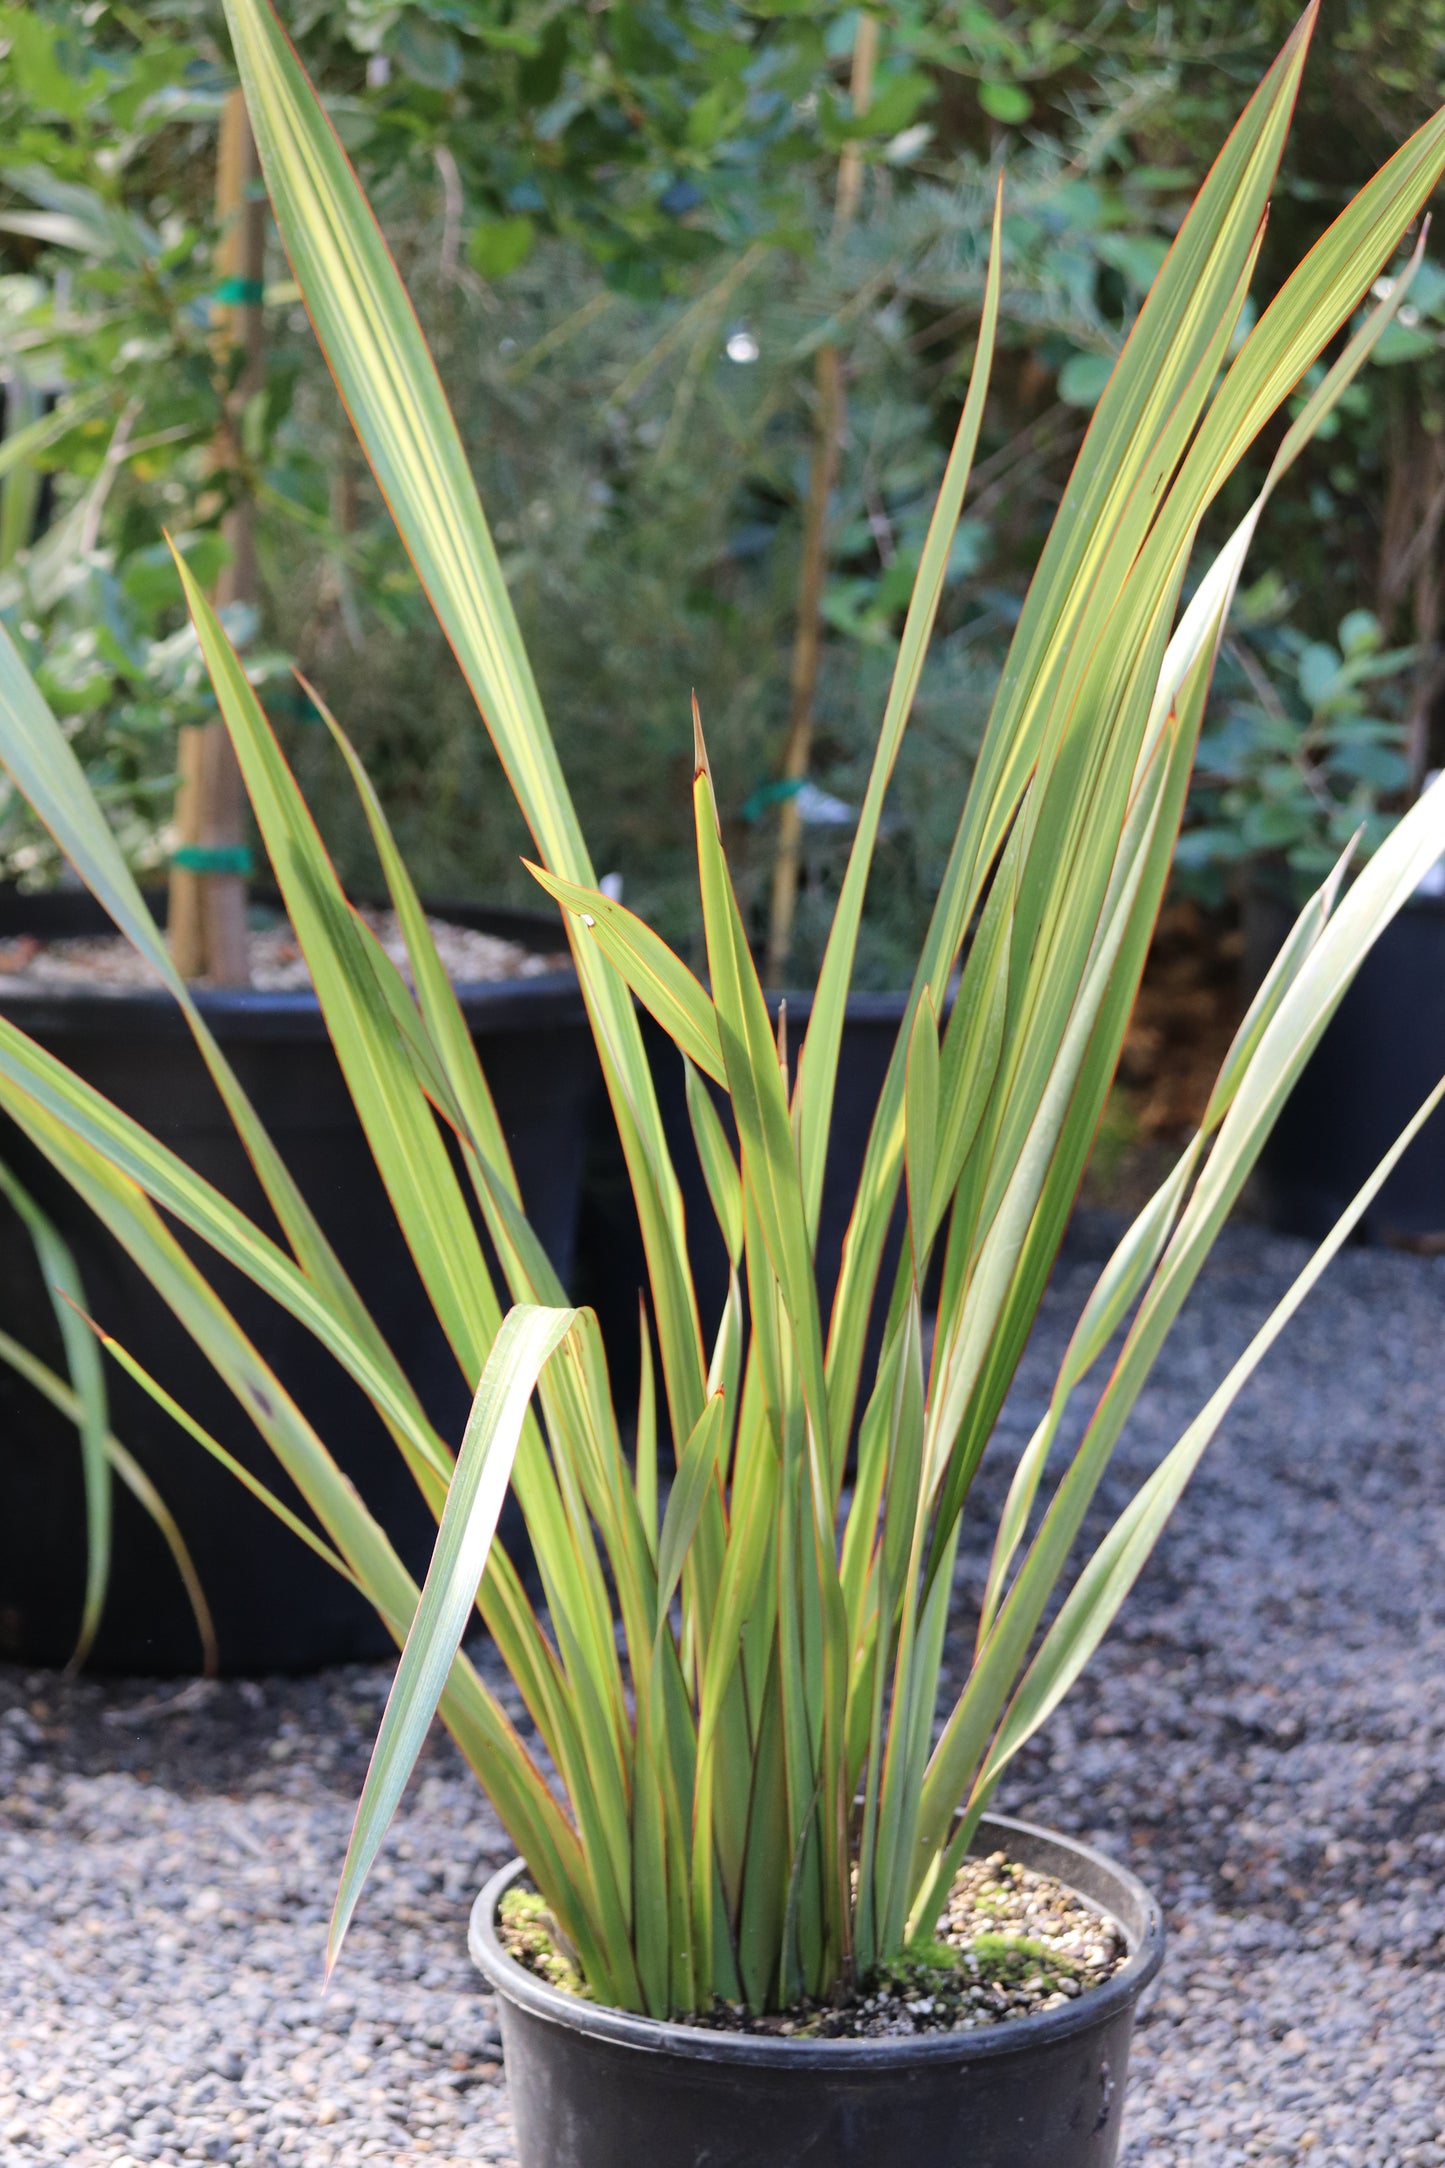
1312 748
91 600
737 1823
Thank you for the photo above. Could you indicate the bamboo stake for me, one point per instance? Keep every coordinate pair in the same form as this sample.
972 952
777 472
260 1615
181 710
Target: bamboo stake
822 479
208 907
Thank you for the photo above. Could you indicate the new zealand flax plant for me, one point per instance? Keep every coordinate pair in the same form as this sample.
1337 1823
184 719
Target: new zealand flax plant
740 1788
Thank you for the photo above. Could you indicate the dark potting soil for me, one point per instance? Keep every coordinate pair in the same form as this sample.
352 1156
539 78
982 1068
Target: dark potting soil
1011 1943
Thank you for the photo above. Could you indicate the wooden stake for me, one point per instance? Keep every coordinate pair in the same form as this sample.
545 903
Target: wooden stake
208 908
822 479
1410 583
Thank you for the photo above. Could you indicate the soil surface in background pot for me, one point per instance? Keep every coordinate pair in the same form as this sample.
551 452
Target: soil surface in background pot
1012 1942
108 963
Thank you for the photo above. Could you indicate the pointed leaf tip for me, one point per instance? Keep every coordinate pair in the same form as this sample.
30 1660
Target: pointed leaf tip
700 765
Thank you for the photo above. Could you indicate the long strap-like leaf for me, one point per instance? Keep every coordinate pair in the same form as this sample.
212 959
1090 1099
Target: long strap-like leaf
125 1465
61 1275
40 758
528 1336
818 1062
388 380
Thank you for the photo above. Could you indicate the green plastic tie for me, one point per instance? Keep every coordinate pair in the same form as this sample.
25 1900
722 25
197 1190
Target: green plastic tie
291 701
240 293
213 858
768 794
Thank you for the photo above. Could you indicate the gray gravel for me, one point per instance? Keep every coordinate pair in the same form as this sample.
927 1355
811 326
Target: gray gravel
1263 1739
166 1871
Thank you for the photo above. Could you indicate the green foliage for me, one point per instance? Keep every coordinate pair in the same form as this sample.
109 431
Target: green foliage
670 161
1306 749
75 81
622 496
647 492
988 1960
101 635
81 1397
718 1679
110 376
651 135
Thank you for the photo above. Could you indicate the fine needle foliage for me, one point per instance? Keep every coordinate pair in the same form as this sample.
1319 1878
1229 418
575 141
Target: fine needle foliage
741 1787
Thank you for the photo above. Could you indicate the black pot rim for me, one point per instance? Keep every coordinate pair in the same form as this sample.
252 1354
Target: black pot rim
248 1012
697 2044
293 1013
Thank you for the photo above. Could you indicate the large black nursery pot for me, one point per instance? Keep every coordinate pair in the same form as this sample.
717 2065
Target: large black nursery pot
611 1266
595 2088
1382 1054
276 1607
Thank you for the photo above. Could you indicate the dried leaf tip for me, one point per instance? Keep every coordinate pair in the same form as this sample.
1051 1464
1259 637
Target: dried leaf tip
700 765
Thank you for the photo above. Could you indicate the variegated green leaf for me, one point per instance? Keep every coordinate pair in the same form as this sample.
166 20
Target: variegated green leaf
661 981
528 1336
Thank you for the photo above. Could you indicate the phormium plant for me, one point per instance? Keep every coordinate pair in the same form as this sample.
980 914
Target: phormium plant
742 1794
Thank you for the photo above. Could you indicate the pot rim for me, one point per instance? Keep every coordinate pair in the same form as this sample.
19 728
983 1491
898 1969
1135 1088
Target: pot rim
288 1013
553 2005
291 1013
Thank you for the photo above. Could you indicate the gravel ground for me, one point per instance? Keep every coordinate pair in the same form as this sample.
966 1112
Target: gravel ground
1263 1739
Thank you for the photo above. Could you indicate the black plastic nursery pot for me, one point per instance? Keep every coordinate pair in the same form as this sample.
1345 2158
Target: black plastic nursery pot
1381 1056
276 1607
595 2088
